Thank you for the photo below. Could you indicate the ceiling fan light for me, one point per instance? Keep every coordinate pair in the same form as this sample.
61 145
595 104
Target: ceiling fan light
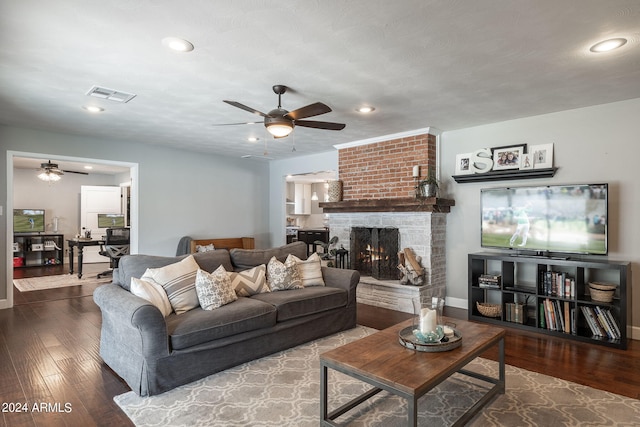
49 176
279 130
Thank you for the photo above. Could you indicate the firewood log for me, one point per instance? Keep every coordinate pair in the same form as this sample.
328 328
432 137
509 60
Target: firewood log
410 257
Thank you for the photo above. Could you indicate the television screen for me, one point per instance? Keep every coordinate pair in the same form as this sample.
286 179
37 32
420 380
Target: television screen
28 220
110 220
560 218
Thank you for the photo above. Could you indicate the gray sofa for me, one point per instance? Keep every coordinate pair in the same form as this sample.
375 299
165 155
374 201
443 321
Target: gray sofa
154 354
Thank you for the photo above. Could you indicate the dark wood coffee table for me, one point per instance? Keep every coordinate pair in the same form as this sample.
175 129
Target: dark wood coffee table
380 360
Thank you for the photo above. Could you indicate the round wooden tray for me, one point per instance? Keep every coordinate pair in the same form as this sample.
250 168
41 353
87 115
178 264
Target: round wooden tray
407 339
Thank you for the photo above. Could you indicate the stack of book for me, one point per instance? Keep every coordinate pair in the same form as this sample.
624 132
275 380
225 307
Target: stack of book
515 312
490 281
557 316
601 322
557 284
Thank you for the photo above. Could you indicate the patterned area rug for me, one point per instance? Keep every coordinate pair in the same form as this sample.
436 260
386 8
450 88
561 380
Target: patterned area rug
61 280
283 390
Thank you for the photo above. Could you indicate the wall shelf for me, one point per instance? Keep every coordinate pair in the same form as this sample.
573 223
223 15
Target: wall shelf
506 175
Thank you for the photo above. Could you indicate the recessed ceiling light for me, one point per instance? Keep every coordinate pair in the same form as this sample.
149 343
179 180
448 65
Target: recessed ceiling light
87 167
252 139
93 108
365 109
608 45
179 45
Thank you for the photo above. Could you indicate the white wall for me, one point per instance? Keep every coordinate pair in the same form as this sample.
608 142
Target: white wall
180 192
591 145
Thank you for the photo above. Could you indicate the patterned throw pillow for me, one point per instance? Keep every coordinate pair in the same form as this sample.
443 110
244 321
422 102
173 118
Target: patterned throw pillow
214 289
205 248
153 293
179 282
310 270
250 282
283 276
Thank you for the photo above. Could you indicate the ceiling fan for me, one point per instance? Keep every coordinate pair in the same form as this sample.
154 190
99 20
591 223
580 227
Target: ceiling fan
51 172
280 122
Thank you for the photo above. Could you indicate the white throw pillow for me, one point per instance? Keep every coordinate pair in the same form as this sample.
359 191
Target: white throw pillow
310 270
153 293
178 281
283 276
250 282
214 289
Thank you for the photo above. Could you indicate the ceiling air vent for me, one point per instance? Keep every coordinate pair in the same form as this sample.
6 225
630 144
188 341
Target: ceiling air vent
110 94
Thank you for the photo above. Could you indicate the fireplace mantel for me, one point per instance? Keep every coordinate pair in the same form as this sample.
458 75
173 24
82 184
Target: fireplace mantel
405 204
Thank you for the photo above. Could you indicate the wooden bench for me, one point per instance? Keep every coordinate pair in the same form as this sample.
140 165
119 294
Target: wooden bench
228 243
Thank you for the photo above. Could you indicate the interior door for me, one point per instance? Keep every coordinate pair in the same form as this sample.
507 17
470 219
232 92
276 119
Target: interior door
96 200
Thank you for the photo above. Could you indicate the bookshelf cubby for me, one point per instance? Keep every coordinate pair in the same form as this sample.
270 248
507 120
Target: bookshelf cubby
37 250
552 296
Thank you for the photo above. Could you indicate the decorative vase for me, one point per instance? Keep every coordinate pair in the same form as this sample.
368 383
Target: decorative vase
429 190
335 191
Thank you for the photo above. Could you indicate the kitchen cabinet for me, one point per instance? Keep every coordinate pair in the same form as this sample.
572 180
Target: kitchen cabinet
302 199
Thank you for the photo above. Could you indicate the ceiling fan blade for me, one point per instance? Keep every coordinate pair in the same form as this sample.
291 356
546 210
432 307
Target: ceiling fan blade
79 173
320 125
308 111
234 124
244 107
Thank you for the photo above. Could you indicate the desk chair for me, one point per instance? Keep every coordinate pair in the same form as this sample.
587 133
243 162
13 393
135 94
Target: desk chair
116 245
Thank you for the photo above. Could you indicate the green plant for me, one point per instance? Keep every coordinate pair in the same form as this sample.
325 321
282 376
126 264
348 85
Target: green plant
429 180
329 249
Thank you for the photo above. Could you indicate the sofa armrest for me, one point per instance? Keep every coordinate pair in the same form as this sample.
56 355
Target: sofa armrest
342 278
133 322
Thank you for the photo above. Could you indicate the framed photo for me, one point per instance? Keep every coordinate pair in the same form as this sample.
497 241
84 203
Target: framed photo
507 157
463 164
542 156
526 161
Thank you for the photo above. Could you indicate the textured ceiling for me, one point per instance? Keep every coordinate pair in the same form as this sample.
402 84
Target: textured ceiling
446 64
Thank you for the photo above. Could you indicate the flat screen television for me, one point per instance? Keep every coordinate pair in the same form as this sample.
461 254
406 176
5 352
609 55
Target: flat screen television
110 220
546 219
28 221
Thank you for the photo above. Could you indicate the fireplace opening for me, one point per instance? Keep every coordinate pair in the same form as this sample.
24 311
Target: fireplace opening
374 251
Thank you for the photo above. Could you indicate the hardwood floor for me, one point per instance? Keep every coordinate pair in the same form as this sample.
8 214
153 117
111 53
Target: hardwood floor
49 354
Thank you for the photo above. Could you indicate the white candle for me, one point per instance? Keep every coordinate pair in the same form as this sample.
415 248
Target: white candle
427 320
416 171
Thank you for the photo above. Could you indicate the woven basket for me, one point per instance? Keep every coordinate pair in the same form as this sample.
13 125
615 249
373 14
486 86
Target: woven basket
602 292
489 310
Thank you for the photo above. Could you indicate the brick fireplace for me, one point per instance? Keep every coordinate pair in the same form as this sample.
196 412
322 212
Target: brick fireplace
379 193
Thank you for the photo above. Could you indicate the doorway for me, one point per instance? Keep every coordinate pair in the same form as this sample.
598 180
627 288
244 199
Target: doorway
115 168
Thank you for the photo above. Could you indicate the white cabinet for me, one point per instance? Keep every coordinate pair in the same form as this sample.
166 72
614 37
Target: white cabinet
302 199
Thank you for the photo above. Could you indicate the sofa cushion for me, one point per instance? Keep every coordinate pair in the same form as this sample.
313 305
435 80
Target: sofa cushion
310 270
283 275
179 281
200 326
214 289
135 265
153 293
250 282
302 302
244 259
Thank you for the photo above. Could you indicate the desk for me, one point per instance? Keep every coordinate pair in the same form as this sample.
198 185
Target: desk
80 244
